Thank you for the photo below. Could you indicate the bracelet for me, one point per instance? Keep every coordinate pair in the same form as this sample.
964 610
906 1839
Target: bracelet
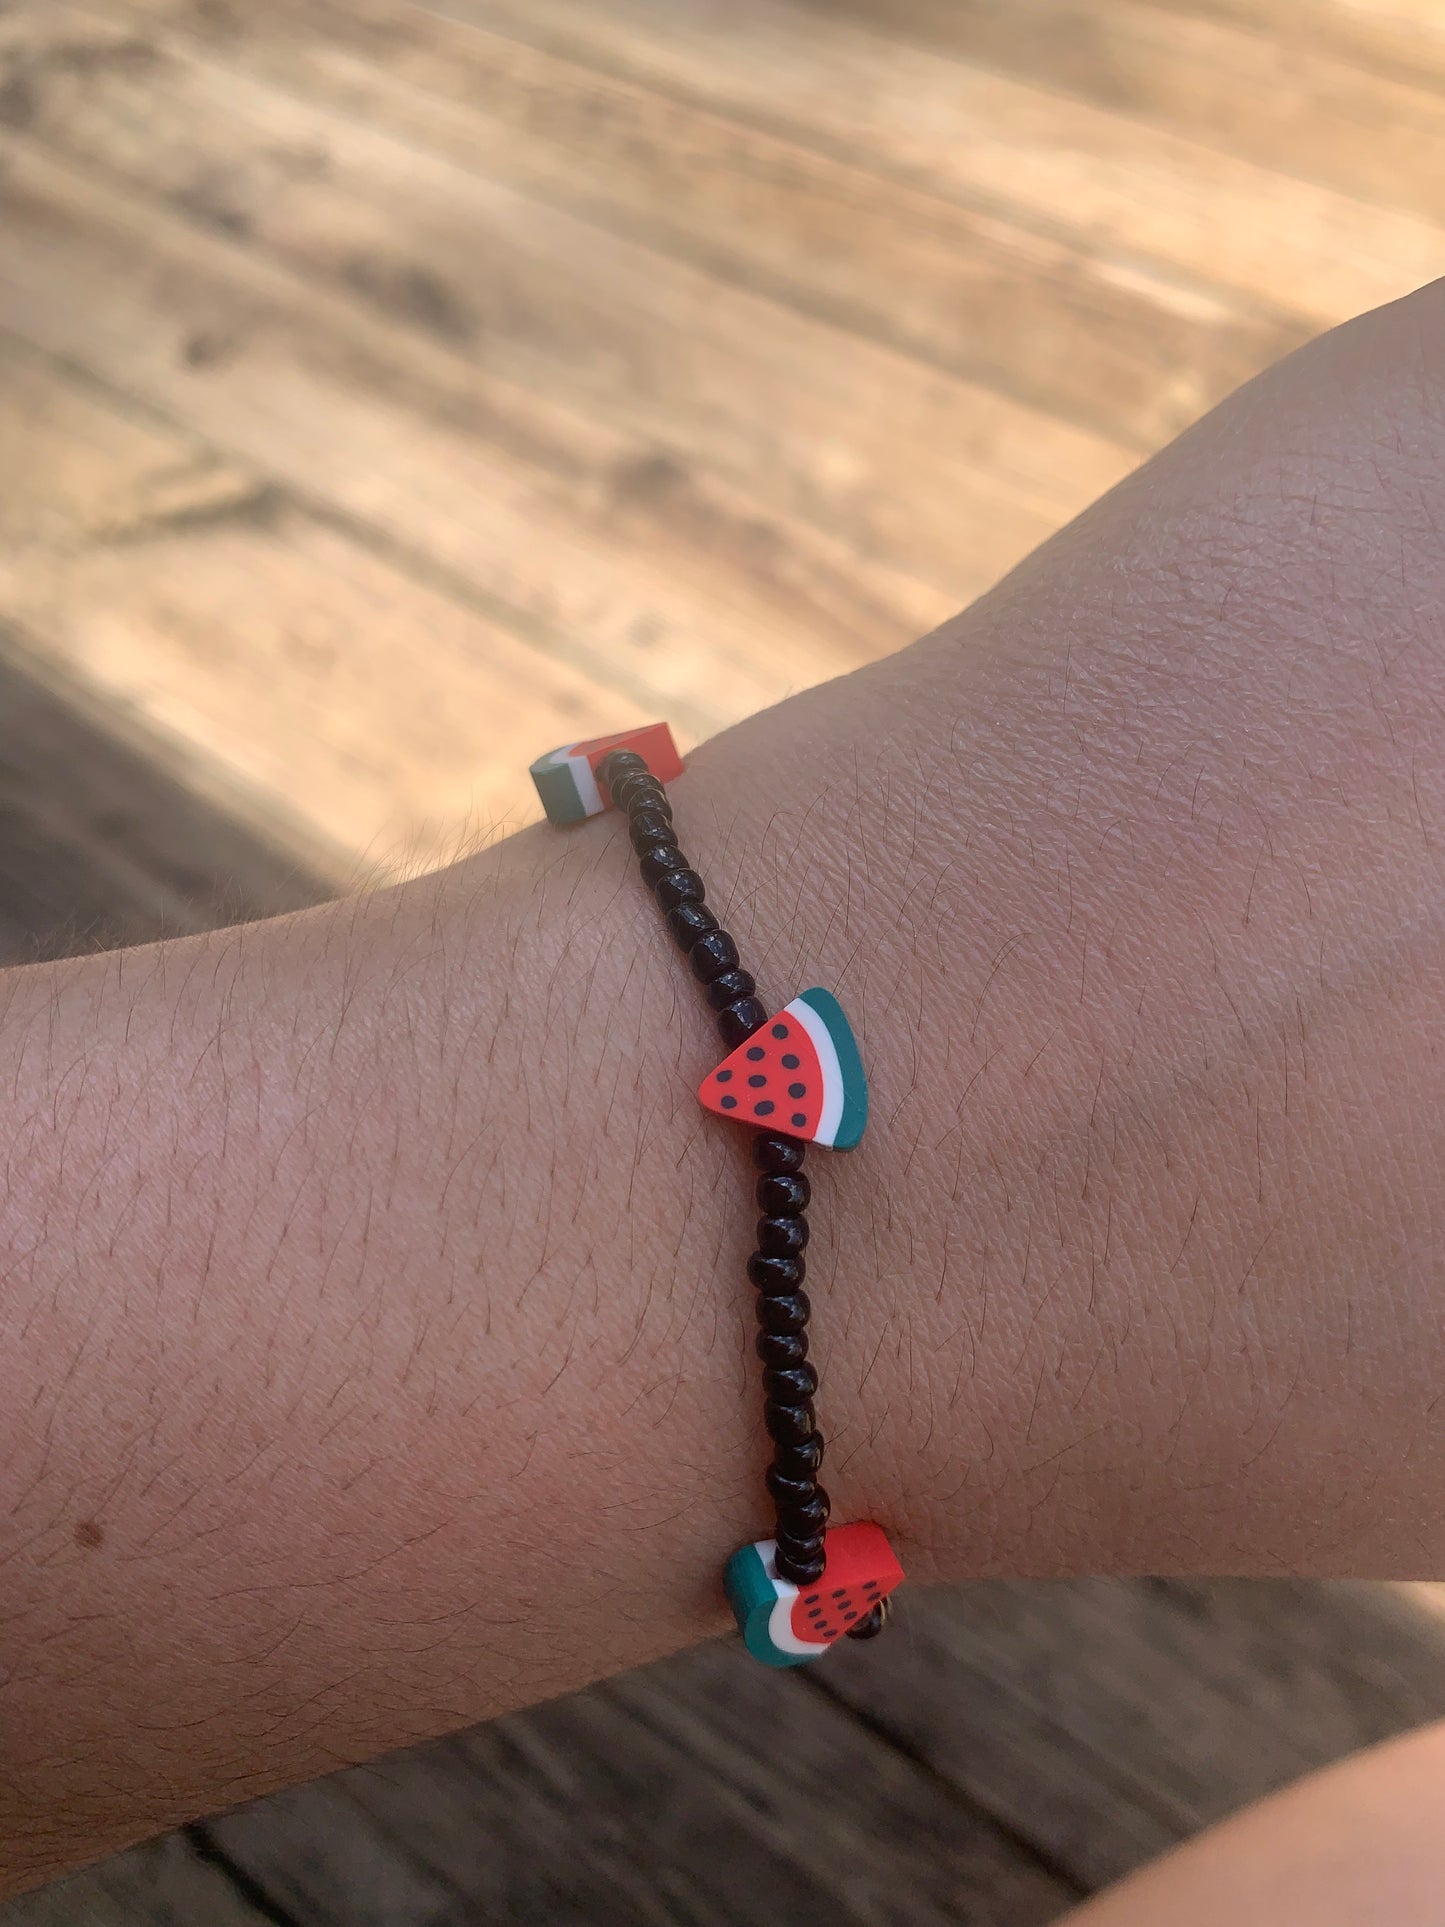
796 1077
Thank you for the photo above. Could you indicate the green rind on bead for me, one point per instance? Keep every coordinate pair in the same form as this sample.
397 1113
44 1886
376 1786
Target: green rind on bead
753 1596
557 787
854 1116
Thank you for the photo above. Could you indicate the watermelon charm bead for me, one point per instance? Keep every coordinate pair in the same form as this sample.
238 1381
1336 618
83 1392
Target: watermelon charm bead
785 1625
568 782
801 1074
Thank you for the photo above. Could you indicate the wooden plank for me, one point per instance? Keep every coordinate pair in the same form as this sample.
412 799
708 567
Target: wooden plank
162 1884
1009 1747
935 477
263 654
1107 1720
1404 39
1227 85
99 848
701 1791
1128 190
630 561
1035 316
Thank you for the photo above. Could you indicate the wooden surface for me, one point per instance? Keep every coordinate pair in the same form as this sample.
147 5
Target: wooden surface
388 391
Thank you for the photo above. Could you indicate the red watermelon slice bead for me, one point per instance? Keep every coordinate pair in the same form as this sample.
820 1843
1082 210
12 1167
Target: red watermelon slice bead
786 1625
800 1074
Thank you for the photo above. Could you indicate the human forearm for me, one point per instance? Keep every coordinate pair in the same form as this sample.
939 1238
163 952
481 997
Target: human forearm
376 1287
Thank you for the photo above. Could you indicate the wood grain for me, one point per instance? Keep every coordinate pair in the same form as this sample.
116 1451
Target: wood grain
1309 112
256 647
1032 315
163 1884
670 360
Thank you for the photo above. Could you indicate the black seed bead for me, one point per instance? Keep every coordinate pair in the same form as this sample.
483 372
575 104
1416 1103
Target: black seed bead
792 1488
799 1461
649 830
800 1572
688 922
712 955
801 1518
659 862
781 1194
776 1275
649 802
786 1313
778 1350
637 792
792 1385
679 887
789 1424
773 1152
872 1622
740 1021
621 762
782 1237
638 789
730 988
801 1550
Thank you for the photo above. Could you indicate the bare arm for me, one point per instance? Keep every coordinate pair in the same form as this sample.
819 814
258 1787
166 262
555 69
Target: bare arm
374 1323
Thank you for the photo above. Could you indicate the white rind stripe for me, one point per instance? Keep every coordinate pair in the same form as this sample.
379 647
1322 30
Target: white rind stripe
587 790
780 1620
803 1013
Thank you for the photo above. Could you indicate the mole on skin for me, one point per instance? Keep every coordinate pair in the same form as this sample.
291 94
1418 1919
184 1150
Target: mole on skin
89 1534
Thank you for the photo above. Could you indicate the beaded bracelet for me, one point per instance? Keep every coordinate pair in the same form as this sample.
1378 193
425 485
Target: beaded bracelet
797 1078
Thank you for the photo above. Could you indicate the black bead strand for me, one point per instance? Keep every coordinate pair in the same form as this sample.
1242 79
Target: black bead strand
731 988
777 1267
775 1274
740 1021
679 887
773 1152
778 1350
783 1194
689 921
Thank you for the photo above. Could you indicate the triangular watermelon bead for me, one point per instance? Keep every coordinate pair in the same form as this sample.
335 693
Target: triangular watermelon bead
786 1625
801 1074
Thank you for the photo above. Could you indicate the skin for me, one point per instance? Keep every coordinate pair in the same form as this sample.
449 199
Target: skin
1351 1847
377 1342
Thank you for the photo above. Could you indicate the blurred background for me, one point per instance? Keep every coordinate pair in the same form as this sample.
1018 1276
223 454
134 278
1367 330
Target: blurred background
389 392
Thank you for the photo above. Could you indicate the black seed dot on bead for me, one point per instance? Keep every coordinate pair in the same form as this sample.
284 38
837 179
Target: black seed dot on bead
789 1061
724 1077
841 1593
756 1054
798 1120
797 1090
780 1030
757 1080
765 1109
729 1103
848 1618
